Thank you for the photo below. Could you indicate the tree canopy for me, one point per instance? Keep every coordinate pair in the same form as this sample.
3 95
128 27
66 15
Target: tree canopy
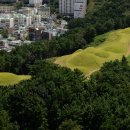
58 98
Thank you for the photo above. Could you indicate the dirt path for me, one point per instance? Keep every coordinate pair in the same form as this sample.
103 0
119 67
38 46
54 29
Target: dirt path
88 75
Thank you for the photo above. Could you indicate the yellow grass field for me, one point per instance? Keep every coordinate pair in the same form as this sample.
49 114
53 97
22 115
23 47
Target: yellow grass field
115 45
7 79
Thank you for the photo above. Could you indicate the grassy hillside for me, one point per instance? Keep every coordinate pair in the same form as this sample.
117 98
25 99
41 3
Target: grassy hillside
114 45
11 79
128 58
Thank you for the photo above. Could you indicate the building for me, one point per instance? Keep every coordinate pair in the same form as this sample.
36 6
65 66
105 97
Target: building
14 1
27 11
50 33
13 20
44 11
80 7
35 33
6 9
6 21
15 43
8 1
75 8
35 2
66 7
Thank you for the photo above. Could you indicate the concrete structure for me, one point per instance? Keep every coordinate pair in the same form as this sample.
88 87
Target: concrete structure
66 7
12 20
35 2
6 21
75 8
44 11
6 9
22 20
36 19
80 7
8 1
15 43
27 11
49 34
35 33
14 1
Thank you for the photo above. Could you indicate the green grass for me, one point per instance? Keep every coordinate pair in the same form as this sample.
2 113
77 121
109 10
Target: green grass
113 45
7 79
128 59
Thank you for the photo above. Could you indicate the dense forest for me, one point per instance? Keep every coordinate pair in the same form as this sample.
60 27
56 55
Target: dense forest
58 98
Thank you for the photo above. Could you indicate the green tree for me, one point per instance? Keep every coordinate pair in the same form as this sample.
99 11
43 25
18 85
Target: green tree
4 33
27 109
69 125
5 123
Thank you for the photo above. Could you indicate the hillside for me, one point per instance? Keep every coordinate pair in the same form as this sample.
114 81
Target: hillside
11 79
114 45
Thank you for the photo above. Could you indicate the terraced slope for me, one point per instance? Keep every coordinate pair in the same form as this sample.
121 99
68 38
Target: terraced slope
114 46
12 79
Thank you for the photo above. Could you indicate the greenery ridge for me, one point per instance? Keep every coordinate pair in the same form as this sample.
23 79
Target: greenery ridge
112 46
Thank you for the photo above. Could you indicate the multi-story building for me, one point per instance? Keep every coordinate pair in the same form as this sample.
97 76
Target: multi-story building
35 2
66 7
6 9
27 11
44 11
14 1
75 8
6 21
80 7
8 1
12 20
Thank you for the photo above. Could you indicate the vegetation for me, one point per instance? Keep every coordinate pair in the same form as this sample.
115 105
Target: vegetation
54 5
19 5
105 16
56 98
11 79
128 58
4 33
112 46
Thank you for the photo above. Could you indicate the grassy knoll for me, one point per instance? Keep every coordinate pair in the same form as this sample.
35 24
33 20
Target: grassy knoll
113 45
11 79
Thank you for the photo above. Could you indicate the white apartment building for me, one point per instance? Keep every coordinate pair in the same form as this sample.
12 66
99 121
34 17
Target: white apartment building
27 11
6 21
66 7
10 20
6 9
35 2
80 7
75 8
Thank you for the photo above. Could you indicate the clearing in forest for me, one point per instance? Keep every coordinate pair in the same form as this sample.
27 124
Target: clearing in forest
112 45
7 79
